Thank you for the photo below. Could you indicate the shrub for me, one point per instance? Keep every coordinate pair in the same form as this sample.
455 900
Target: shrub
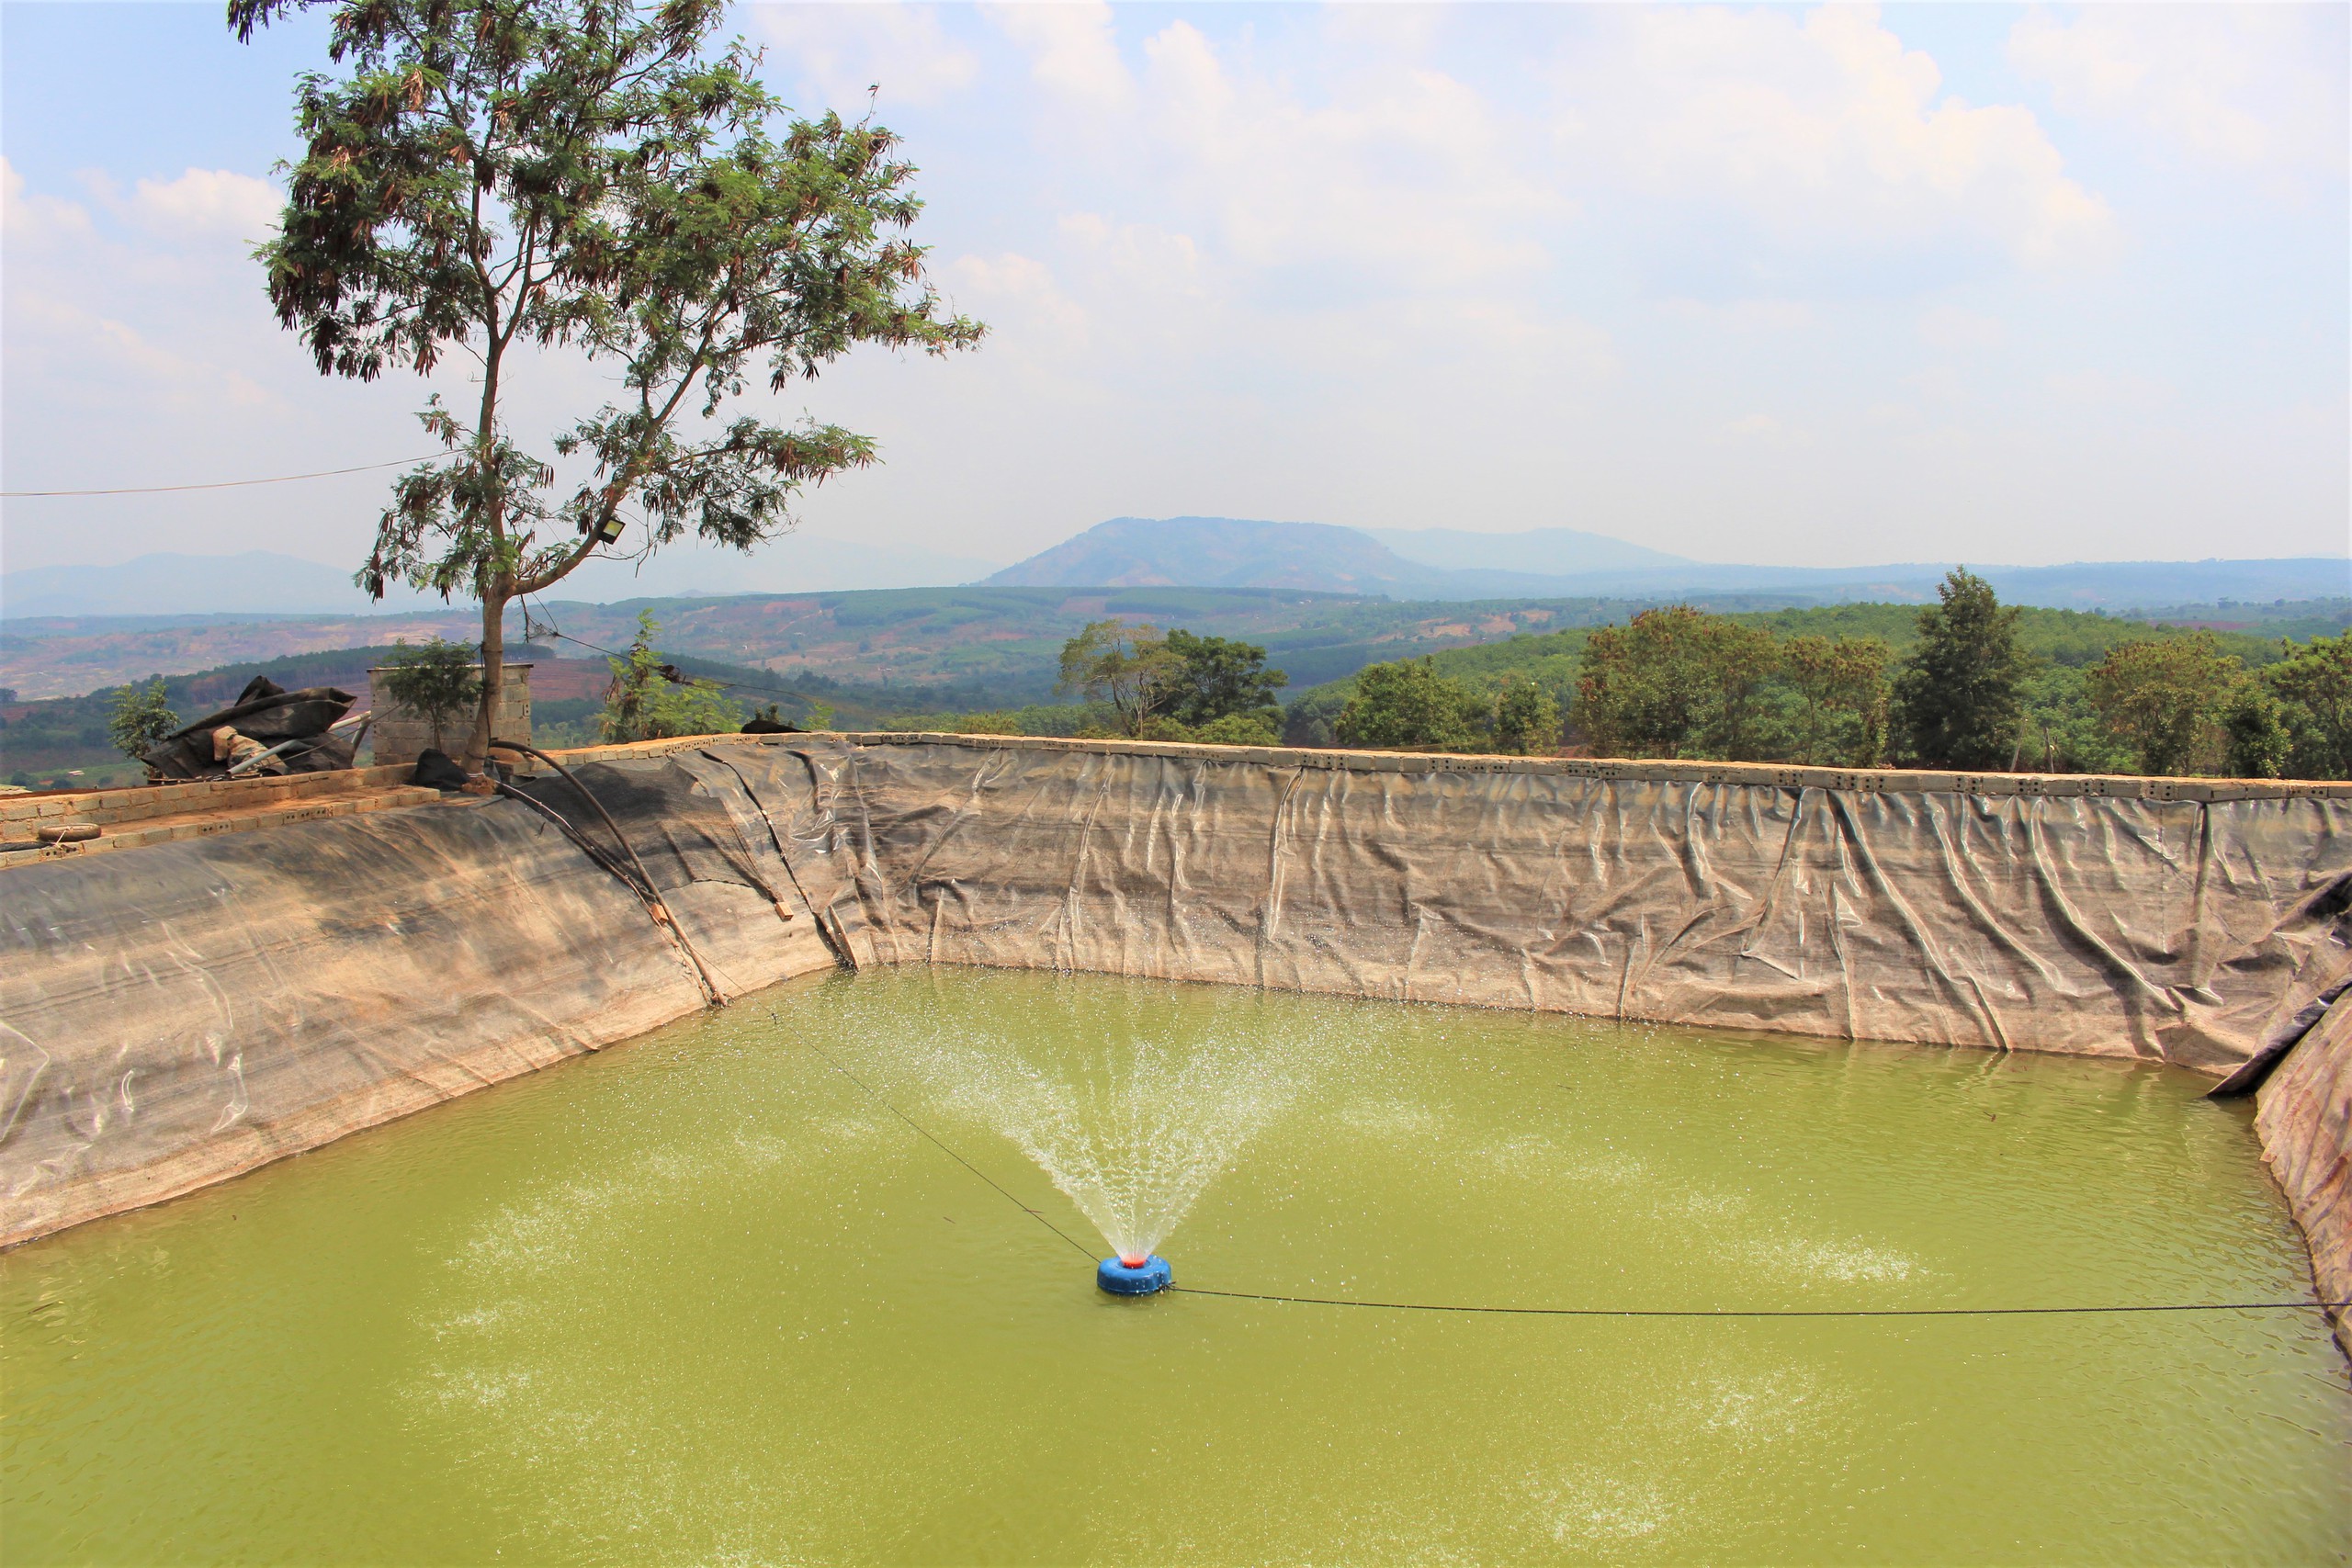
1252 728
436 681
650 699
141 719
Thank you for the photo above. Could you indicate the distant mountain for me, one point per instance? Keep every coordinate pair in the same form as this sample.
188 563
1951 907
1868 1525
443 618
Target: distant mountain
1216 552
256 583
1234 552
1552 552
266 583
1226 552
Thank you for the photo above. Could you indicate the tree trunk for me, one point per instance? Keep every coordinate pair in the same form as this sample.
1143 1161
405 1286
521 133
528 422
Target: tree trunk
493 675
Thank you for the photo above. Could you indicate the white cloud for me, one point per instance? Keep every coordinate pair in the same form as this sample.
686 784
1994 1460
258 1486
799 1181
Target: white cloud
1073 48
1820 128
202 204
836 52
1402 172
1020 297
1951 327
2245 85
2111 390
54 333
30 219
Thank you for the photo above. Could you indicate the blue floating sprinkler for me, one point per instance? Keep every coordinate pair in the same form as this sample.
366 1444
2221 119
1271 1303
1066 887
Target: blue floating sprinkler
1142 1277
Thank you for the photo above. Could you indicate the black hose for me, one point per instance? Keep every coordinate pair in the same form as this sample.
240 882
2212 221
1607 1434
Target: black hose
643 886
571 778
594 851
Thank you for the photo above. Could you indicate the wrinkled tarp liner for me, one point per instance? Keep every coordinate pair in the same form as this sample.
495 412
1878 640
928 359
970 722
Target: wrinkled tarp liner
173 1015
2305 1118
191 1010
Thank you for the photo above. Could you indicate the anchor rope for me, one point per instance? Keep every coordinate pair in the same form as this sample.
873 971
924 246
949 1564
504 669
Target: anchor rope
1764 1312
1573 1312
943 1148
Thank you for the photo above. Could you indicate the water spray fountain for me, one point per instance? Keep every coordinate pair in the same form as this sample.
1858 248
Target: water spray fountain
1132 1134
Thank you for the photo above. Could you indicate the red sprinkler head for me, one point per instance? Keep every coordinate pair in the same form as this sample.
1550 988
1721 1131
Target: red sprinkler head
1134 1260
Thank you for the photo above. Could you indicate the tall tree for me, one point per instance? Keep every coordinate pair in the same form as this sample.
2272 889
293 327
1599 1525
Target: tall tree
1675 683
1128 666
2315 680
1211 678
1527 719
1961 693
490 177
1409 706
1842 696
2164 697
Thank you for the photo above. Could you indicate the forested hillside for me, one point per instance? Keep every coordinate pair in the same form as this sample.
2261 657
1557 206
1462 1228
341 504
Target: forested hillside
2066 656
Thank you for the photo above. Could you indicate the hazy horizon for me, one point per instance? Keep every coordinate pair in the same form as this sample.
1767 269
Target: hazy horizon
1760 286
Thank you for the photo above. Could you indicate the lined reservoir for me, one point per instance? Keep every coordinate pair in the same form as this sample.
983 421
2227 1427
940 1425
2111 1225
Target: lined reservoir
710 1297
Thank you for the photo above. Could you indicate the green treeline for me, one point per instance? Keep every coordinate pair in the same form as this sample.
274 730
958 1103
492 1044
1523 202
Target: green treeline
1967 683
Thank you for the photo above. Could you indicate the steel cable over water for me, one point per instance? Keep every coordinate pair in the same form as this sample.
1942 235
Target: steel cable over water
1573 1312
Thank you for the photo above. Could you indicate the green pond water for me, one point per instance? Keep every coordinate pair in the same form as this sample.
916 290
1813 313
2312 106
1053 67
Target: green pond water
705 1298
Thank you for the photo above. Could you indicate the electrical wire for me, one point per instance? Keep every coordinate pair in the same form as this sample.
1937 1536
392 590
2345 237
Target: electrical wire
1582 1312
224 484
533 625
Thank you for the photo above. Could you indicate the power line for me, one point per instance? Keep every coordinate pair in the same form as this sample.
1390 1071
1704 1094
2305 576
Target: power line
224 484
542 621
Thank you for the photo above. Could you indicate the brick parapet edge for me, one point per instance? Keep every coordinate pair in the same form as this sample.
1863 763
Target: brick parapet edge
1862 780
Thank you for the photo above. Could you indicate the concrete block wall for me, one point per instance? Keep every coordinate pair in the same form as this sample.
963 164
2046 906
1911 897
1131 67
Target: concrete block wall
398 735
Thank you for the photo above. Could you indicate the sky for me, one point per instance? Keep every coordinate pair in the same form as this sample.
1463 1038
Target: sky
1799 285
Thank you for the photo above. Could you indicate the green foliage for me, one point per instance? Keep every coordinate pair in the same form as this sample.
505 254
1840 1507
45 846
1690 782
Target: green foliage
1527 720
650 700
1313 719
2164 700
2314 682
141 718
1409 706
1675 683
1210 678
1961 698
2261 745
1129 667
490 177
1002 721
436 681
1255 728
1842 696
